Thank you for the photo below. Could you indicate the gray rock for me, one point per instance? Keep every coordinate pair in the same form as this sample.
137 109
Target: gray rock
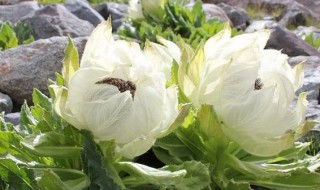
5 103
238 16
312 5
116 11
304 31
84 11
234 3
296 15
56 20
312 75
27 67
283 39
13 118
15 13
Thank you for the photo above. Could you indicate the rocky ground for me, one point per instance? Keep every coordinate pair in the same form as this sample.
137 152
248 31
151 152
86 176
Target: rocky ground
29 66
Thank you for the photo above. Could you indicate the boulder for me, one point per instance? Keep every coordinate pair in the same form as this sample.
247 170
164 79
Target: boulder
116 11
84 11
56 20
234 3
296 15
27 67
13 118
238 16
283 39
5 103
15 13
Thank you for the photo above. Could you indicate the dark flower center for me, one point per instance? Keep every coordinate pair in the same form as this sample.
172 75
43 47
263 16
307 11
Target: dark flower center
122 85
258 84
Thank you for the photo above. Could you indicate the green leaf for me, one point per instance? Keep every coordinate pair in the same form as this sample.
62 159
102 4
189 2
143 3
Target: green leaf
62 179
42 100
189 175
8 38
70 62
52 145
15 177
27 121
92 166
296 181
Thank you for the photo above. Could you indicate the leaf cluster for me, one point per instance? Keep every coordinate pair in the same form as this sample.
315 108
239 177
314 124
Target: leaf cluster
178 22
12 35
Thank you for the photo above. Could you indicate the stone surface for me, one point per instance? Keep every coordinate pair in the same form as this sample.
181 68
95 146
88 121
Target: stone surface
238 16
14 13
5 103
13 118
27 67
295 15
84 11
234 3
56 20
283 39
116 11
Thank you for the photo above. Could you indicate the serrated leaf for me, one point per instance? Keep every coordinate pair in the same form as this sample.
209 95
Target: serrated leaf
8 38
42 100
15 177
62 179
92 166
189 175
52 145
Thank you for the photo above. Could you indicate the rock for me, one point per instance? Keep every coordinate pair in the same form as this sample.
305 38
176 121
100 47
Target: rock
233 3
296 15
303 32
212 12
13 118
27 67
283 39
312 5
56 20
312 75
5 103
117 12
84 11
238 16
14 13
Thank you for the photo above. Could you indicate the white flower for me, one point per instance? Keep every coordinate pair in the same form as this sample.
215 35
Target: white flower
118 94
250 88
152 8
135 9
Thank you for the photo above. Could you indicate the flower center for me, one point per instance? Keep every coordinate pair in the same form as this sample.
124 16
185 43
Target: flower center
258 84
122 85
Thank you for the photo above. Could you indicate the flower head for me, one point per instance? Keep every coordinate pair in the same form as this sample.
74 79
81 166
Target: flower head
151 8
250 88
118 94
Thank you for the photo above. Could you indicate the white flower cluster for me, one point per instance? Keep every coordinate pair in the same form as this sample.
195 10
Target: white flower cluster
119 93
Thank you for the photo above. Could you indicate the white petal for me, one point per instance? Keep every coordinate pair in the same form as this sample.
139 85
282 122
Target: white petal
173 49
159 57
170 109
298 72
135 9
99 42
136 147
